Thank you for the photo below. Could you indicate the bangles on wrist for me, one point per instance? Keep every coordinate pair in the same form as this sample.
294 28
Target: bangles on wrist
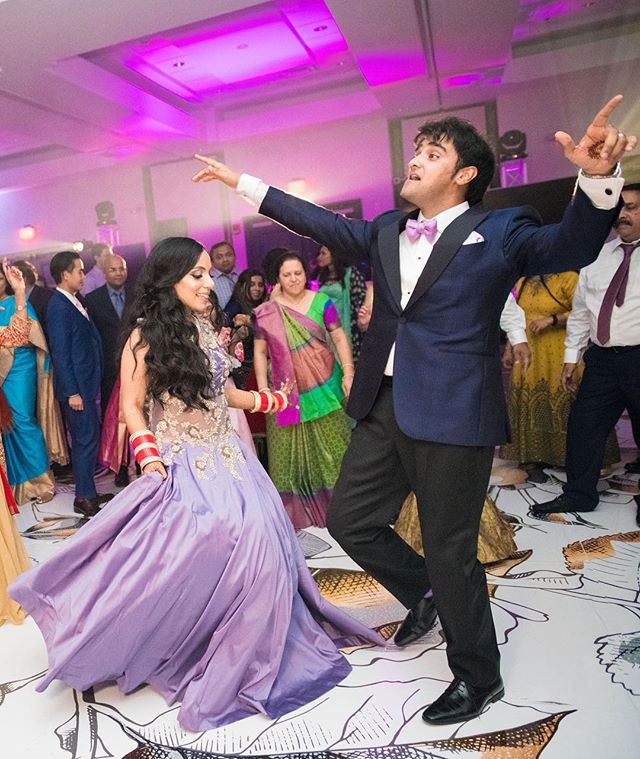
145 448
265 401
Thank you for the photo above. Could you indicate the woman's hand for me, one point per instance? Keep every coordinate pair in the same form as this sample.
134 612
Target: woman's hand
539 325
14 277
364 317
155 466
347 381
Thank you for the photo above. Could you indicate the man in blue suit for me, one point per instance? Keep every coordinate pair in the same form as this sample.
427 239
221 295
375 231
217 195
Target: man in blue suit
76 353
427 392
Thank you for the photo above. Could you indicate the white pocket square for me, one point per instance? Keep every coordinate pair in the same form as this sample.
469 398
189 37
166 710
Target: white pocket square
474 237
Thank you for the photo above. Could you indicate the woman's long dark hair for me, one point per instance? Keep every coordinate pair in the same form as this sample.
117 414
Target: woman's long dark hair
340 266
242 287
175 362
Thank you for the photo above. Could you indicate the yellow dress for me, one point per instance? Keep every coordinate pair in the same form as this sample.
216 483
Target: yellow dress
495 540
13 558
538 407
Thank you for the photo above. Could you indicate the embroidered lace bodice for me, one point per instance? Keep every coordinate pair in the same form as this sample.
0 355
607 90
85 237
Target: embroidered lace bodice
207 435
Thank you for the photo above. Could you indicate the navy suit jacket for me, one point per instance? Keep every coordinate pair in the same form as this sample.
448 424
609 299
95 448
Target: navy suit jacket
75 349
105 317
447 383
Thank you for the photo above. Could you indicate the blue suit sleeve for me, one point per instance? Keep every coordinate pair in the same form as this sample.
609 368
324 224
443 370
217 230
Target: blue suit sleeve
340 234
61 347
570 245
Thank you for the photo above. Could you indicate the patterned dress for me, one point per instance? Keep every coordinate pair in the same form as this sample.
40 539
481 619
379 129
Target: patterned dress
307 441
538 406
195 584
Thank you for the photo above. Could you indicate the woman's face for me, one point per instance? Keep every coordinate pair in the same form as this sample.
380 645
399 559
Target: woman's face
324 257
292 278
195 287
256 288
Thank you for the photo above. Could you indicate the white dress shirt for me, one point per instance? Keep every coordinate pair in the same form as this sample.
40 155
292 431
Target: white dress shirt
75 301
582 326
513 321
603 193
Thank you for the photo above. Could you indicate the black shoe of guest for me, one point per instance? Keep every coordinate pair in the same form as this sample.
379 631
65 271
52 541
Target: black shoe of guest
121 479
104 498
561 504
637 500
633 467
537 475
461 702
88 507
417 623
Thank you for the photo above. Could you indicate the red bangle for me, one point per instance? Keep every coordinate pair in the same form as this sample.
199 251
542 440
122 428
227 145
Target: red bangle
265 401
281 400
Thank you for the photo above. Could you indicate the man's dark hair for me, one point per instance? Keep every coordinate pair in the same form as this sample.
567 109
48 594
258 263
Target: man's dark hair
631 187
61 262
471 147
28 273
221 244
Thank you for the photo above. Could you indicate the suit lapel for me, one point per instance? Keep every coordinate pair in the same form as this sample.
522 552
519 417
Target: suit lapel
445 249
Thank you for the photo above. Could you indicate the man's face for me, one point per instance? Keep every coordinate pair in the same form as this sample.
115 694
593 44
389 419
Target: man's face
101 255
628 221
224 259
74 279
115 271
431 172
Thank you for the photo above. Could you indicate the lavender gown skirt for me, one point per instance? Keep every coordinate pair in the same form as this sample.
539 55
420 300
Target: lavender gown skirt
197 587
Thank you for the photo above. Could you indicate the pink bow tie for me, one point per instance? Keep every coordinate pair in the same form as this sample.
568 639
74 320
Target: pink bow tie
427 228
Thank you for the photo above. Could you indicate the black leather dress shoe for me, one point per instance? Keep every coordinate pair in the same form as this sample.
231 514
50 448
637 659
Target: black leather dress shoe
561 504
104 498
461 702
88 507
417 623
633 467
121 479
637 500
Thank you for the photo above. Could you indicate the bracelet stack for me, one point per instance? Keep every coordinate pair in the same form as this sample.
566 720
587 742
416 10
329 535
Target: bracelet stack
145 448
266 401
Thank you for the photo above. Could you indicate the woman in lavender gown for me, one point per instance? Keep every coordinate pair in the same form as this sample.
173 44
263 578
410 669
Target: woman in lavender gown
191 579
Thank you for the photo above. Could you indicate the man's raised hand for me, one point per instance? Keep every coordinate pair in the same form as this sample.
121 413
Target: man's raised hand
602 145
215 171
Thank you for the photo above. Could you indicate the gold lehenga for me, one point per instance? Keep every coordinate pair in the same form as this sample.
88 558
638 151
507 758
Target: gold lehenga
537 404
13 558
495 540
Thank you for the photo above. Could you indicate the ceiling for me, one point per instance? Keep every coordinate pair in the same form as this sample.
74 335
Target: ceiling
87 84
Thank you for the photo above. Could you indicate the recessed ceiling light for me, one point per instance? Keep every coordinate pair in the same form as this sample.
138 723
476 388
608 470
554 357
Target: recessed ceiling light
321 28
178 64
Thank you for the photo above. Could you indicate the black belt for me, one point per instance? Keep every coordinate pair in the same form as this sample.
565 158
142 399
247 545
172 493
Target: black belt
618 348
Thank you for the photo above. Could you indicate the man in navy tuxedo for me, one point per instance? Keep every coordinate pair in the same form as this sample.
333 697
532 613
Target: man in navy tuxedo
76 353
427 392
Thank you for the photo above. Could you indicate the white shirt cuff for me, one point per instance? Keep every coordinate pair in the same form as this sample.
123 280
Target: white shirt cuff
572 355
603 192
252 189
516 336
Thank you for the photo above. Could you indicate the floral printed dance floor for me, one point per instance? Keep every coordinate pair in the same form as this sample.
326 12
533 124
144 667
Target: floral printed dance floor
567 613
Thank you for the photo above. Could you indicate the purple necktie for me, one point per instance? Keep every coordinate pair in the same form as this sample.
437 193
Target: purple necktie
427 228
615 293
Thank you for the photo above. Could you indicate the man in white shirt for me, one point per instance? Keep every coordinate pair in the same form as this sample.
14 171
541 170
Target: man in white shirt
605 326
427 392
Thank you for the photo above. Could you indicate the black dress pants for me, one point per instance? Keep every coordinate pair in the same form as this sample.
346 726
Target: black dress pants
610 383
381 466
